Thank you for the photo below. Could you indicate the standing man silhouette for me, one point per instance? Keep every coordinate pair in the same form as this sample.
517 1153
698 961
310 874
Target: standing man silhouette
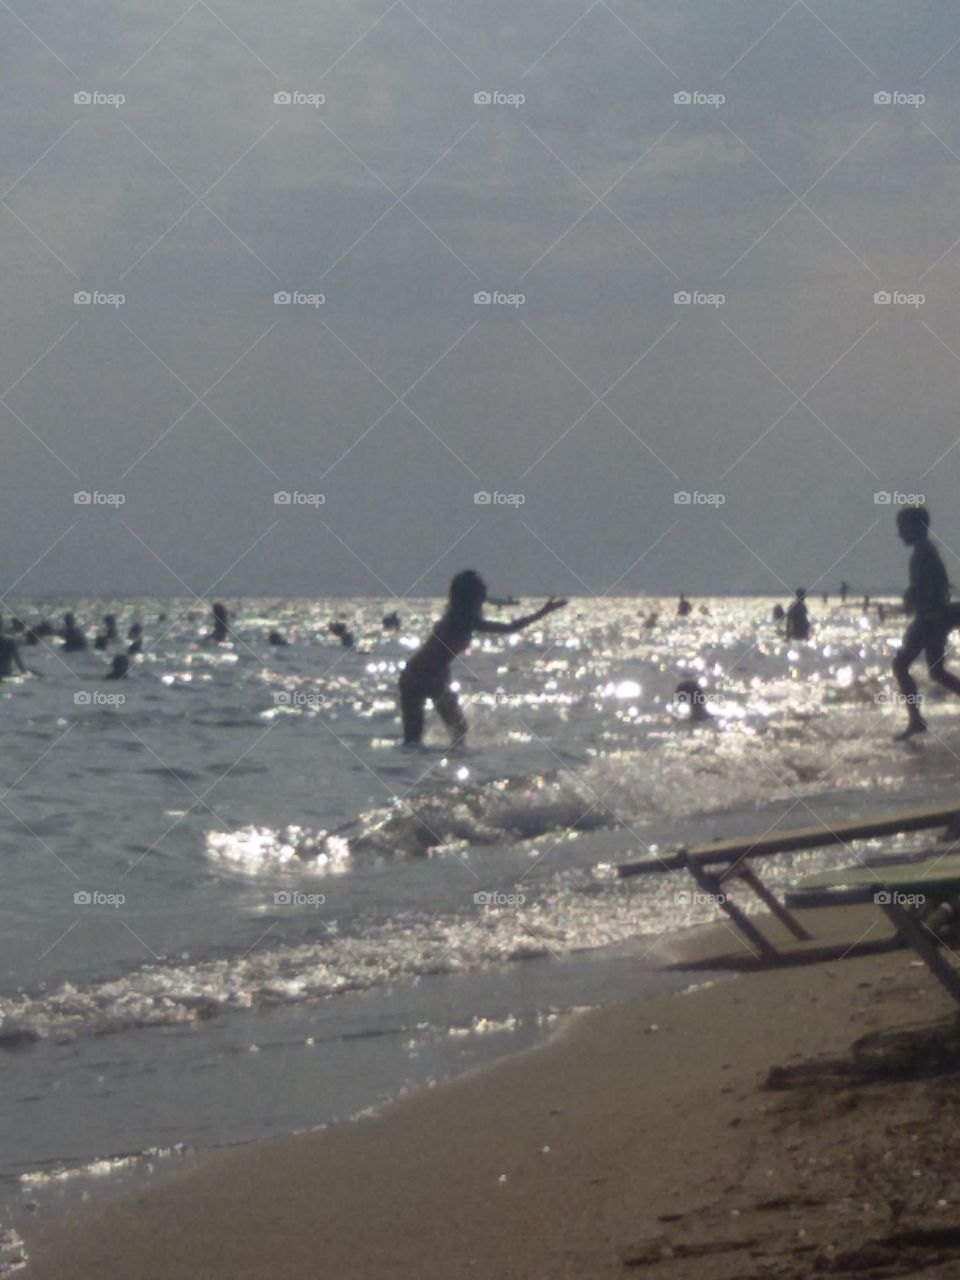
927 598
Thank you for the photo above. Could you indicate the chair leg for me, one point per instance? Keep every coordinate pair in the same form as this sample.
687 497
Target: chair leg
916 935
772 902
710 884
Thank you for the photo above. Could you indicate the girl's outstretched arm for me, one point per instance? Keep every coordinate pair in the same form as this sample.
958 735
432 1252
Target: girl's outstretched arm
518 624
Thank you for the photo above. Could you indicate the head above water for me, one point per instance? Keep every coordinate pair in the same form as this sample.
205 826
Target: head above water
801 593
468 591
690 694
913 524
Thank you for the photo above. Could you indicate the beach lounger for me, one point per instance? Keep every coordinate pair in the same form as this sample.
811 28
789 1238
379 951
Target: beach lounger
909 893
713 865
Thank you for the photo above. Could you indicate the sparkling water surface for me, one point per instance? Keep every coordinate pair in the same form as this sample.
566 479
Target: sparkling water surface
234 905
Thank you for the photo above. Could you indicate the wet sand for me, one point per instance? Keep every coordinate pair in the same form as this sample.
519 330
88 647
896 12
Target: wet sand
643 1140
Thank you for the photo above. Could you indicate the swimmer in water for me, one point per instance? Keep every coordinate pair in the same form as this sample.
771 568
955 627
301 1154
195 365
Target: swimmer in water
689 694
135 636
277 638
798 619
74 640
928 599
427 674
220 629
120 668
339 629
109 634
390 621
683 606
9 655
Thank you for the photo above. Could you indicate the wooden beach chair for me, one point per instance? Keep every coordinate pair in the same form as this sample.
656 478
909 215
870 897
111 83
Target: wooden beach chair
911 894
714 865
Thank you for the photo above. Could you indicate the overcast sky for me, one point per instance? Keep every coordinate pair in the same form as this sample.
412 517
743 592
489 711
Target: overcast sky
782 409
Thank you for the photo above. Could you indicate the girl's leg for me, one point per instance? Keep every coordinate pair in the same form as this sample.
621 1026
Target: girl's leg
448 709
411 709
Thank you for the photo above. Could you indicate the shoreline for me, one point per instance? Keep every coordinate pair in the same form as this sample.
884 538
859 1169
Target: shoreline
417 1032
42 1199
578 1157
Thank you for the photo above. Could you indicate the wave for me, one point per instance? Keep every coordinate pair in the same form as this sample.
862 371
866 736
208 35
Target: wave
687 775
411 945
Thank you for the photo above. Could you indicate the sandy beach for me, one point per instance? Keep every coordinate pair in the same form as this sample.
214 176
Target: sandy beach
645 1139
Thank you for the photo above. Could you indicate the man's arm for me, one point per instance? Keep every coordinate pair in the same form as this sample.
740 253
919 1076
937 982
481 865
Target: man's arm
929 587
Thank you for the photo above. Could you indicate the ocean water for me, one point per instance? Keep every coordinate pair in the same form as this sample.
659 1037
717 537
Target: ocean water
233 905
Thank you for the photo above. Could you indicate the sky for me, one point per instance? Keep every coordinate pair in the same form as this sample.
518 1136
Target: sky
321 298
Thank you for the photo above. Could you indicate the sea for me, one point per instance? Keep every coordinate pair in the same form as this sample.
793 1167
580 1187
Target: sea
234 905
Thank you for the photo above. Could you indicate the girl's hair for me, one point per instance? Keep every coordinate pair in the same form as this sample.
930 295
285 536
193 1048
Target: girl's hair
467 592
